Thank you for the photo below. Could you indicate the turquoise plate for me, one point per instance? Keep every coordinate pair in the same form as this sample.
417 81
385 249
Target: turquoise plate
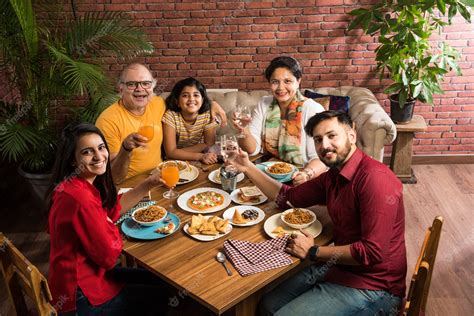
262 166
137 231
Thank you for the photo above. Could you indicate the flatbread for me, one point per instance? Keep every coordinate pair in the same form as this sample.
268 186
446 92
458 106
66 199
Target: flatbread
205 200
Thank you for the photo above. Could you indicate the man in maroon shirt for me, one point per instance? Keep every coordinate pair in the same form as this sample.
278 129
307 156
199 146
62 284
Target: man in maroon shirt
363 273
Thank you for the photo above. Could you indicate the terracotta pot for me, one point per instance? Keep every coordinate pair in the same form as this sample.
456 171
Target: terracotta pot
401 115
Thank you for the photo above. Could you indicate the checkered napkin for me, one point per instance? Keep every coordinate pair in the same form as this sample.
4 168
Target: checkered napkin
249 258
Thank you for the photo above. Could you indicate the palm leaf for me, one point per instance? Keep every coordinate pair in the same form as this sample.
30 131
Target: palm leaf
16 140
105 33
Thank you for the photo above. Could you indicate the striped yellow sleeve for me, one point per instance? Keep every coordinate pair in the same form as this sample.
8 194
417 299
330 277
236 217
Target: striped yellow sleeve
169 119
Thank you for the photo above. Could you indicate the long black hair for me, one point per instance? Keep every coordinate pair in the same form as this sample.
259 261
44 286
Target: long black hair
64 169
172 100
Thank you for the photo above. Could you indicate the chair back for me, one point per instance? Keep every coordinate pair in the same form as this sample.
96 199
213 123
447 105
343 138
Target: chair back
22 279
421 279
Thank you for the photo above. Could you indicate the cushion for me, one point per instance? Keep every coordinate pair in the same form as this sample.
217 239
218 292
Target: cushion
324 101
337 103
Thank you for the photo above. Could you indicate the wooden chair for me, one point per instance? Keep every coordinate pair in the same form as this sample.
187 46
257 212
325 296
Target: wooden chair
21 279
421 279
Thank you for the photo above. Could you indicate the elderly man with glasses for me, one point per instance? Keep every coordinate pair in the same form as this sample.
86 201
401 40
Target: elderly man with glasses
132 153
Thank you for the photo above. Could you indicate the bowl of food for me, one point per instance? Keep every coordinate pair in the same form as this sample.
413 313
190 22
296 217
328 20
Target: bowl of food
279 170
298 218
149 215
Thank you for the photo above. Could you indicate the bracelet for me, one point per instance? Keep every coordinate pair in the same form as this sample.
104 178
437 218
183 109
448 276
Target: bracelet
125 148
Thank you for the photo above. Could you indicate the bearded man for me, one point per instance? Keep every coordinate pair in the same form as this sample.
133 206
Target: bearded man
363 273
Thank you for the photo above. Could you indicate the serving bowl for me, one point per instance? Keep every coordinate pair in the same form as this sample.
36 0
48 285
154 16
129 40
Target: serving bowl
154 208
302 224
268 170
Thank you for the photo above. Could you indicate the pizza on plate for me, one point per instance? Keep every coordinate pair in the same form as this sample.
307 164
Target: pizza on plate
205 200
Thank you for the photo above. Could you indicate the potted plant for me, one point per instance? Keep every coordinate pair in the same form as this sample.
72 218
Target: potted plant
52 61
414 64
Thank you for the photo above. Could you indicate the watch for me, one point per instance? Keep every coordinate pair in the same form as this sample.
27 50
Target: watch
313 253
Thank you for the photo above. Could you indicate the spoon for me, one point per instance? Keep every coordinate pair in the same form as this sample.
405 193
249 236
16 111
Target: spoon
221 258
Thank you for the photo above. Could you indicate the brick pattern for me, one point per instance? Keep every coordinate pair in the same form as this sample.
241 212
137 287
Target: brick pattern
228 44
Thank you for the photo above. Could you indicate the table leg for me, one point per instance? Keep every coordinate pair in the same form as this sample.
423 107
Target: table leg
248 306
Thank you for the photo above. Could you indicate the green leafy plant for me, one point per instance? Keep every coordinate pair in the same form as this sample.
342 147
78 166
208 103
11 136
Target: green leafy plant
413 63
50 58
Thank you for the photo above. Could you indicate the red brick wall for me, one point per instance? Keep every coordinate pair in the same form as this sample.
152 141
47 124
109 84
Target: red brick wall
228 44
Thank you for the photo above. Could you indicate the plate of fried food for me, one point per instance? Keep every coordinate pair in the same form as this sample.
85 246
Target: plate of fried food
204 200
187 172
274 227
248 196
280 171
215 176
243 215
162 229
207 228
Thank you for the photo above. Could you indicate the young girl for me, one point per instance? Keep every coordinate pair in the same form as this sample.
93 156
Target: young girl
188 128
85 243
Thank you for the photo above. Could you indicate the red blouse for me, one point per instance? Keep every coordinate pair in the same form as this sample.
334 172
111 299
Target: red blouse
365 203
84 245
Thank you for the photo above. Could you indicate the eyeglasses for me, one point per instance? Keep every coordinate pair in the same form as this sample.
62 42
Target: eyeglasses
132 85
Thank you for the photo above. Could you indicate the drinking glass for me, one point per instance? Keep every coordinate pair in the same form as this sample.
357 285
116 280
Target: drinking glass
170 175
147 130
242 117
229 147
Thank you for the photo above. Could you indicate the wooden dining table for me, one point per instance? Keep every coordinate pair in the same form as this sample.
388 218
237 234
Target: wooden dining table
190 265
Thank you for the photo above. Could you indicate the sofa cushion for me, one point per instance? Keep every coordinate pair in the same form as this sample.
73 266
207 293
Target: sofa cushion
337 102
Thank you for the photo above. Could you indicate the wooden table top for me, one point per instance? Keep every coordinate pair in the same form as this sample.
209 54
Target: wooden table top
190 265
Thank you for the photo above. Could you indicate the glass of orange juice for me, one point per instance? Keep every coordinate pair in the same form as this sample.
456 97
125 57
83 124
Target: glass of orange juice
170 175
147 130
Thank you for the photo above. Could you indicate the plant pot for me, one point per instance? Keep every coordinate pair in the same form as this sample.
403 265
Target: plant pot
39 183
401 115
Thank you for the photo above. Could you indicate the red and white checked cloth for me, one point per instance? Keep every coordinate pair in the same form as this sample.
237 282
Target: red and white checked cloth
249 258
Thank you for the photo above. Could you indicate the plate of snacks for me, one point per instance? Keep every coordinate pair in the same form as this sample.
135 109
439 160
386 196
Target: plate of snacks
248 196
207 228
243 215
162 229
204 200
215 176
274 227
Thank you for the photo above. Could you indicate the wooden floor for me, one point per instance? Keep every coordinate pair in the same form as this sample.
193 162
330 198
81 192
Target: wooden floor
446 190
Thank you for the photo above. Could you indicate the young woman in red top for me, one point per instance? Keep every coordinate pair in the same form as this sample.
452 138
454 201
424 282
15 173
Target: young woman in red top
85 243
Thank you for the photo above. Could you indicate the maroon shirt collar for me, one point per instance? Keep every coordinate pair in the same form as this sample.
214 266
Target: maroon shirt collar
351 166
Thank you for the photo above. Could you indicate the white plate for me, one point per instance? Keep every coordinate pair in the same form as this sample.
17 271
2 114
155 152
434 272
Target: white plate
183 200
275 220
188 174
229 213
213 177
235 198
207 237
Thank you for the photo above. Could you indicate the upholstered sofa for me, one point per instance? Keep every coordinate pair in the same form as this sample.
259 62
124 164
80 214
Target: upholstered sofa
374 127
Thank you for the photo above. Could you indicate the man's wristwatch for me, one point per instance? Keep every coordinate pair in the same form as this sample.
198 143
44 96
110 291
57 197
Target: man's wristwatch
313 253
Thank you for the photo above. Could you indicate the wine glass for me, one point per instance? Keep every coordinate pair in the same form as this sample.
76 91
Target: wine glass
242 117
170 175
229 147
